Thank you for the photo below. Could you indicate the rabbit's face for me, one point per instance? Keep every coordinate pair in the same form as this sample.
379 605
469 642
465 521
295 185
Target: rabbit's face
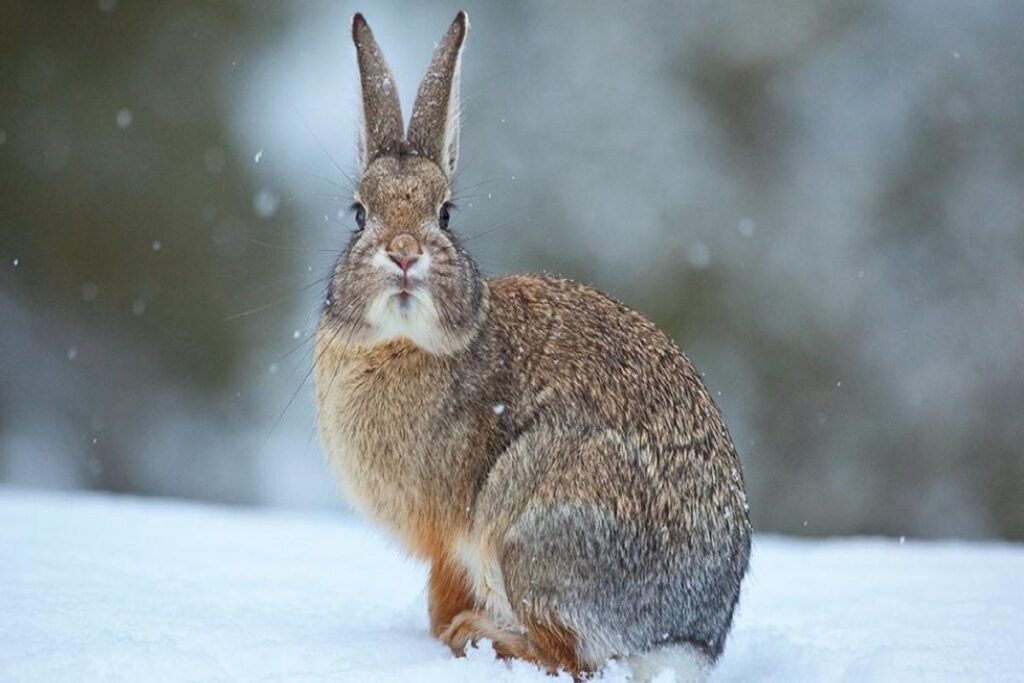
403 273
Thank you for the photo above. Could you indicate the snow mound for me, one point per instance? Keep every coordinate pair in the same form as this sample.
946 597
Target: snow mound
96 588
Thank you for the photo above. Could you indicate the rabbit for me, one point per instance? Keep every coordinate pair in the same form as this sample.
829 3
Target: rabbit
551 453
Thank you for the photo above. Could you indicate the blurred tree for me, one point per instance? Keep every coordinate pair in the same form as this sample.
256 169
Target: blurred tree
819 201
129 209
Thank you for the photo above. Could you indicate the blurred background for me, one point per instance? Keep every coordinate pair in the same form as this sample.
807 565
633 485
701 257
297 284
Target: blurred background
822 203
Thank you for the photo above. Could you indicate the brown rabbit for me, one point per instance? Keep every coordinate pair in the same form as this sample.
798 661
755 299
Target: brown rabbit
550 452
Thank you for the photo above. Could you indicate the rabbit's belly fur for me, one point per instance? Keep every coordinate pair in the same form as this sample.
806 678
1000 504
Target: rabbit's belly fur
382 447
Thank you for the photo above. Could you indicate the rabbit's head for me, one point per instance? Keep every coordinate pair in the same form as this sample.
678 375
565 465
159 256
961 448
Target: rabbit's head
403 273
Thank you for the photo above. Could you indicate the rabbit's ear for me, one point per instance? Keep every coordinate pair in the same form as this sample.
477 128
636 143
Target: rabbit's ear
381 131
434 126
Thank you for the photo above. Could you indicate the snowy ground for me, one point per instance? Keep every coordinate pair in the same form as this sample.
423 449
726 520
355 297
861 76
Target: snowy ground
117 589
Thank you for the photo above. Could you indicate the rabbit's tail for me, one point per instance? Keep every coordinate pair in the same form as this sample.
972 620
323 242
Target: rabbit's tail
688 663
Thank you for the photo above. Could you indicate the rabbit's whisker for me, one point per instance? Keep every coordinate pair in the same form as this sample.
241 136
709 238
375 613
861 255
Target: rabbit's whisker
277 301
285 247
348 177
316 360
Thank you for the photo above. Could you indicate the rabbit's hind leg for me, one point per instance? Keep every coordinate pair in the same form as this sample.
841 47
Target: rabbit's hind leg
547 644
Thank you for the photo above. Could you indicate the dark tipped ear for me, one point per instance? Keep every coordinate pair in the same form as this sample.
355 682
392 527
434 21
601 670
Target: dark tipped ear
434 126
381 130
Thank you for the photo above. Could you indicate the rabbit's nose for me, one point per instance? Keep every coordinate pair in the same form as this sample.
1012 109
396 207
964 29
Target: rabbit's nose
404 250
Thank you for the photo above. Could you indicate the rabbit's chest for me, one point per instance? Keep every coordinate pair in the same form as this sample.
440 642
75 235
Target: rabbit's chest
379 423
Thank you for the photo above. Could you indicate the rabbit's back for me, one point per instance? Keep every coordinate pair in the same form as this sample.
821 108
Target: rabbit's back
605 363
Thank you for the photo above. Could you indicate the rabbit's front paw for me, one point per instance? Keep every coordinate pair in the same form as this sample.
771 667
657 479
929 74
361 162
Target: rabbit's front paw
467 628
471 626
552 648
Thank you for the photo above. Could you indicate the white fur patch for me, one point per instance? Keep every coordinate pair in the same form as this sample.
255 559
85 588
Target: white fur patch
415 318
677 662
487 580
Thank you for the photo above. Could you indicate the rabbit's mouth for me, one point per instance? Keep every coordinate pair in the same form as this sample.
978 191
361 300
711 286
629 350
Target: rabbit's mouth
407 285
408 294
404 301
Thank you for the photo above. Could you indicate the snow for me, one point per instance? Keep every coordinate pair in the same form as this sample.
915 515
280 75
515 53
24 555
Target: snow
698 254
124 117
102 588
265 203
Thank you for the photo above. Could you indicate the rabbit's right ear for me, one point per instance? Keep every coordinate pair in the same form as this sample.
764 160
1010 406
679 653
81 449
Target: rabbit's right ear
381 132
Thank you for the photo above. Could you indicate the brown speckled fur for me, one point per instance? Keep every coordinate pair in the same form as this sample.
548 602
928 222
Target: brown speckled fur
549 451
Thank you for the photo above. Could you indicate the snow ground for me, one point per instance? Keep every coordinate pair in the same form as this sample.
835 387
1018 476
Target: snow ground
99 588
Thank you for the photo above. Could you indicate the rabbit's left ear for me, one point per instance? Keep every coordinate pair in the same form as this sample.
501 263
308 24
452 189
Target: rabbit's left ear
381 131
434 126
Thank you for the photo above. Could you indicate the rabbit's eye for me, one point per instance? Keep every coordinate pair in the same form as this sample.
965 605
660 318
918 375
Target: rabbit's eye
360 215
445 215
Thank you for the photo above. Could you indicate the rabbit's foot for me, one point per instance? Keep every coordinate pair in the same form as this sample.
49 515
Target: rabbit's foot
471 626
551 646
